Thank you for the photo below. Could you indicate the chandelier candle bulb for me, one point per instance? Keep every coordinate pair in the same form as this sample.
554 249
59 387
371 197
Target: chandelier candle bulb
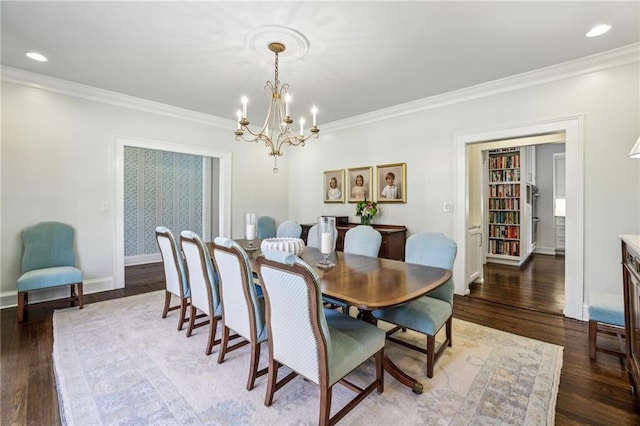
287 100
314 111
239 115
244 106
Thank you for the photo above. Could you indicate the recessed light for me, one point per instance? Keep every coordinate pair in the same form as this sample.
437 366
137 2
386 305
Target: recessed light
598 30
36 56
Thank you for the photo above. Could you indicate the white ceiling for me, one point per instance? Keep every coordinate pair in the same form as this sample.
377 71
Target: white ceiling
362 56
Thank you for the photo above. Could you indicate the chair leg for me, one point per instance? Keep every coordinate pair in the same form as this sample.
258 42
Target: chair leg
80 295
167 302
431 355
21 303
253 368
183 313
271 381
448 328
223 344
192 320
380 370
213 328
325 405
593 330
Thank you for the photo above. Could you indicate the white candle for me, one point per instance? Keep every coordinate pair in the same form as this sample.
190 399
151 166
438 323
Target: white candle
239 114
326 243
287 99
244 106
302 127
250 231
314 111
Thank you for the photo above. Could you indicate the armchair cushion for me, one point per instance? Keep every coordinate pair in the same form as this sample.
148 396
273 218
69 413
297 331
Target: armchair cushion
425 315
49 277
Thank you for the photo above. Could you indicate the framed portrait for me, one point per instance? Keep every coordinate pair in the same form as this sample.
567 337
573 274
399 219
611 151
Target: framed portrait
333 186
360 184
391 181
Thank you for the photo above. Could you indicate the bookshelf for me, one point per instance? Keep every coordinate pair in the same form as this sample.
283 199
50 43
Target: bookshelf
506 213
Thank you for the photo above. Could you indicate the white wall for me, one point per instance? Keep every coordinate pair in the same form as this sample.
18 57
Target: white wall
58 163
544 182
607 99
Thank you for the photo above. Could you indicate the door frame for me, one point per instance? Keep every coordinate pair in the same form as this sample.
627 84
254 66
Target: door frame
224 200
574 258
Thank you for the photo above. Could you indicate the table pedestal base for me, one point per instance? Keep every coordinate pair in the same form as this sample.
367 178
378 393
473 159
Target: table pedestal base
389 365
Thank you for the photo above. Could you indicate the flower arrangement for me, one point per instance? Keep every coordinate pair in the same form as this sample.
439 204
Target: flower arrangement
366 210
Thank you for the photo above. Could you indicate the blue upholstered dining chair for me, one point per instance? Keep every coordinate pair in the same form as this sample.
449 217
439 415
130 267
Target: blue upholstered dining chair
427 314
175 274
312 237
203 284
48 261
321 345
266 227
363 240
242 308
289 229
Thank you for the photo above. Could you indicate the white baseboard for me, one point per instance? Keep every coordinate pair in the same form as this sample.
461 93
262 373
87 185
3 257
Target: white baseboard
142 259
550 251
9 299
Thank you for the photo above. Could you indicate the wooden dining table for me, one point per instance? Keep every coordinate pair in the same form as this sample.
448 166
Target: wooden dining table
370 283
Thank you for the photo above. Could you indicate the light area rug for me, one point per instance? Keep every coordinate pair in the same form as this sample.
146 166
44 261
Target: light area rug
118 362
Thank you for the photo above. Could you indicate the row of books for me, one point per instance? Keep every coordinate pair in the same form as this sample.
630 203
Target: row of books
504 162
510 175
503 217
506 248
504 203
504 231
504 190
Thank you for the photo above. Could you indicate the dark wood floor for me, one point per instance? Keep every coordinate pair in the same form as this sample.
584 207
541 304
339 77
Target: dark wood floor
536 285
590 392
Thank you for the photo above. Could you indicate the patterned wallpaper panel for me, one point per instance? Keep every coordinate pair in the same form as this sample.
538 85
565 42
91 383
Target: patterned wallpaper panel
160 188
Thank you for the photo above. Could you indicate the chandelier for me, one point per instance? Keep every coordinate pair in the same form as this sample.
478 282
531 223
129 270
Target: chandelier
276 131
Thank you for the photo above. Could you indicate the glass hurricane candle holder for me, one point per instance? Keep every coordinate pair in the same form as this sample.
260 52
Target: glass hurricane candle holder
326 234
250 230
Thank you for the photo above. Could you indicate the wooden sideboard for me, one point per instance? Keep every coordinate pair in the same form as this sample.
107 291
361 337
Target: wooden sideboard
631 282
393 238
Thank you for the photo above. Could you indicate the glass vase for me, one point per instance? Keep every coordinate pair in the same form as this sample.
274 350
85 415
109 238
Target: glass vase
326 235
250 230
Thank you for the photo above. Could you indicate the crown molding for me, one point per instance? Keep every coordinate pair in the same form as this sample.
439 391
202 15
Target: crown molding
611 59
65 87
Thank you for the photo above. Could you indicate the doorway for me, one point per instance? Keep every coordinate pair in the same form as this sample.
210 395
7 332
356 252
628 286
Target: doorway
224 194
574 259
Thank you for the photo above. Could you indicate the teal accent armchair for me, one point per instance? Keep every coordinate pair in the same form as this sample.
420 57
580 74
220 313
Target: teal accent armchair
48 261
242 307
266 227
322 345
175 274
427 314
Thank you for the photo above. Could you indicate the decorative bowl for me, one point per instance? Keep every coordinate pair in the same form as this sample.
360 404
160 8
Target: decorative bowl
290 245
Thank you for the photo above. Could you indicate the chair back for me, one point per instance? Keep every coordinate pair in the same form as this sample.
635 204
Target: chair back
433 249
289 229
47 245
241 308
312 237
297 327
174 269
363 240
266 227
203 280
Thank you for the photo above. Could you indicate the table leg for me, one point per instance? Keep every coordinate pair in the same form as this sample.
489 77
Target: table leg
388 365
